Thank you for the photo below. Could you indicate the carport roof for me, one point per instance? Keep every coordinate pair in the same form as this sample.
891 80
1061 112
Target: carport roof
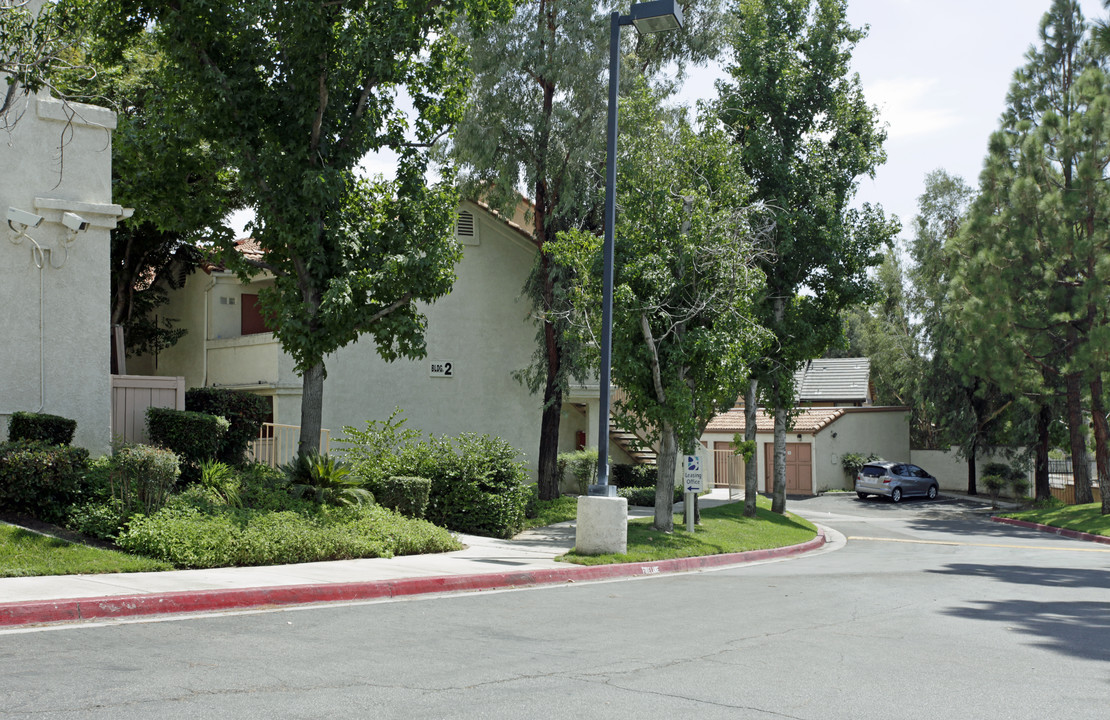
810 420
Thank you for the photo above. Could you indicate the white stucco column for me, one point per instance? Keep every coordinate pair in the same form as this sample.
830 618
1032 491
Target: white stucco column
593 419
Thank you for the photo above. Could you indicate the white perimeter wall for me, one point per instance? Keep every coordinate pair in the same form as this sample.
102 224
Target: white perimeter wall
58 159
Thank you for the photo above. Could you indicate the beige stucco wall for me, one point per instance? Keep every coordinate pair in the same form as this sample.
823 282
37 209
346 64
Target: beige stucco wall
950 470
57 159
882 431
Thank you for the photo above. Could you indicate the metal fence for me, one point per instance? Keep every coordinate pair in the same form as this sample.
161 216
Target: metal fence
1062 484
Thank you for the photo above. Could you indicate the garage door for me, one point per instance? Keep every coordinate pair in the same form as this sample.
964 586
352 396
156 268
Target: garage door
799 468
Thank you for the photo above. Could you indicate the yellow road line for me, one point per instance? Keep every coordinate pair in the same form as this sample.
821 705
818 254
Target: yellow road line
990 545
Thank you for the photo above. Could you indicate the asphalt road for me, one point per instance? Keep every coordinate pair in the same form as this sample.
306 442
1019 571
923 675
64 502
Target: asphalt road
926 611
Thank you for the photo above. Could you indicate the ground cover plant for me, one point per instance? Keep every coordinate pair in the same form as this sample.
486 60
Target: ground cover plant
723 529
1081 518
552 512
24 553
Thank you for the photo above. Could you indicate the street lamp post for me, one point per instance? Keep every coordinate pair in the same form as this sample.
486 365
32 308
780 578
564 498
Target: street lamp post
647 17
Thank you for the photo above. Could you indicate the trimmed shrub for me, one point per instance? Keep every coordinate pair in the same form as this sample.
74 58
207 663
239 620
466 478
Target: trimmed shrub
407 495
193 436
244 412
644 496
50 429
582 466
632 476
143 477
478 485
41 480
193 536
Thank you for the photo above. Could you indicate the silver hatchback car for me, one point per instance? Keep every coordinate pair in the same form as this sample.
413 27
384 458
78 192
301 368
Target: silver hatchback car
895 480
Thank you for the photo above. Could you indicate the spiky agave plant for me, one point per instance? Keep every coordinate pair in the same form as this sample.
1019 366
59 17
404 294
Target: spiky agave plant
318 477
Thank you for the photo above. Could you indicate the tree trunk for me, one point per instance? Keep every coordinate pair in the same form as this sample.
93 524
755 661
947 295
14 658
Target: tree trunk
1102 435
1080 466
664 482
778 502
549 442
1040 469
751 468
971 469
312 408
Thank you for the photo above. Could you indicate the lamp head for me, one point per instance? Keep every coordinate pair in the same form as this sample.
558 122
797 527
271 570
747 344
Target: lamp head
657 16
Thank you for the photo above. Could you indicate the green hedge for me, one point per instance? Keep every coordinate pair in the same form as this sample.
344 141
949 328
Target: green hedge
407 495
245 413
644 496
197 537
41 480
478 484
632 476
143 476
194 436
50 429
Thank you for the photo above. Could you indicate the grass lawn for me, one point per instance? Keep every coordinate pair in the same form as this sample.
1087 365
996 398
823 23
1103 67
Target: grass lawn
24 553
1083 518
554 511
724 529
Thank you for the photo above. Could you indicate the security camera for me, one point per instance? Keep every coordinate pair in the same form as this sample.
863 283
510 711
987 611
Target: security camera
75 222
24 218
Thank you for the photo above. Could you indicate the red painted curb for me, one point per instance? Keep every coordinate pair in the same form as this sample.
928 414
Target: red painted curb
1063 532
36 612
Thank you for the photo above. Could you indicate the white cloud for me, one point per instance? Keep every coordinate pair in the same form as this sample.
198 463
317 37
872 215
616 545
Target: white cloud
910 107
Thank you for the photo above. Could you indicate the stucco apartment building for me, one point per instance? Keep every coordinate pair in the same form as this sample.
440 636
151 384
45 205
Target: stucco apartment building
477 337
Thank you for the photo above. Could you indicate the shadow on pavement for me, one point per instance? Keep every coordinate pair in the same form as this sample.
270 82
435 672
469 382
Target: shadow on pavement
1079 629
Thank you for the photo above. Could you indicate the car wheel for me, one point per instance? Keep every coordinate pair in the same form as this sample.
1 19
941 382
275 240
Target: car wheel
932 492
861 496
896 495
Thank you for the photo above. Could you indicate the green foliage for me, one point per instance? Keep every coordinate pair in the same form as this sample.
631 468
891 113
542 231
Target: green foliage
193 436
622 476
372 452
102 519
194 535
50 429
407 495
644 496
244 412
477 483
325 480
743 448
40 480
143 477
33 46
221 480
582 466
805 134
551 512
853 462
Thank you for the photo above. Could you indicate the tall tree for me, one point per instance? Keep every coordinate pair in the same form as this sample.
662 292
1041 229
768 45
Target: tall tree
685 271
536 127
1038 235
36 38
295 95
806 135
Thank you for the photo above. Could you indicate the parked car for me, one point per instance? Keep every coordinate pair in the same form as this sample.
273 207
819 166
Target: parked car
895 480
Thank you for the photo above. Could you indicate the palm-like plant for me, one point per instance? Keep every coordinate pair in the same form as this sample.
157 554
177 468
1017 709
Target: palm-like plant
319 477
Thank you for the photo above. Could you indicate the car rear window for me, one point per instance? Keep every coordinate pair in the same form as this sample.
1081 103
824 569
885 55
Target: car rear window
872 471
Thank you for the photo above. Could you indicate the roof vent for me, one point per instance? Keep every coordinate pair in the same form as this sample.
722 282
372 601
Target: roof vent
466 229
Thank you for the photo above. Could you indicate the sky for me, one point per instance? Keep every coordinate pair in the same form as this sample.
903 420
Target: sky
938 70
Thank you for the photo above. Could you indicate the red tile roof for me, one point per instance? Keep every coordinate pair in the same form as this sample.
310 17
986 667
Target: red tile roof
810 421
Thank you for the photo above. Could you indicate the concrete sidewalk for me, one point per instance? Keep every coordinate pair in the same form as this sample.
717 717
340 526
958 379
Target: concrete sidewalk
486 563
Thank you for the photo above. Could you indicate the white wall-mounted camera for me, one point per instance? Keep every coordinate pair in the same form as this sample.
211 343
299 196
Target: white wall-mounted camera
75 222
24 218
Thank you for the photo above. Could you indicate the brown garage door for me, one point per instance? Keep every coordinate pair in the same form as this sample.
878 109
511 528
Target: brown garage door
799 468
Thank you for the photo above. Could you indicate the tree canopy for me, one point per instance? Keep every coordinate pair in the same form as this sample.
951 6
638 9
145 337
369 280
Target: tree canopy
294 95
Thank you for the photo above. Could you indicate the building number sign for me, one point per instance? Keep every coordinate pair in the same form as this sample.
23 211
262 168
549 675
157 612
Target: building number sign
442 368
